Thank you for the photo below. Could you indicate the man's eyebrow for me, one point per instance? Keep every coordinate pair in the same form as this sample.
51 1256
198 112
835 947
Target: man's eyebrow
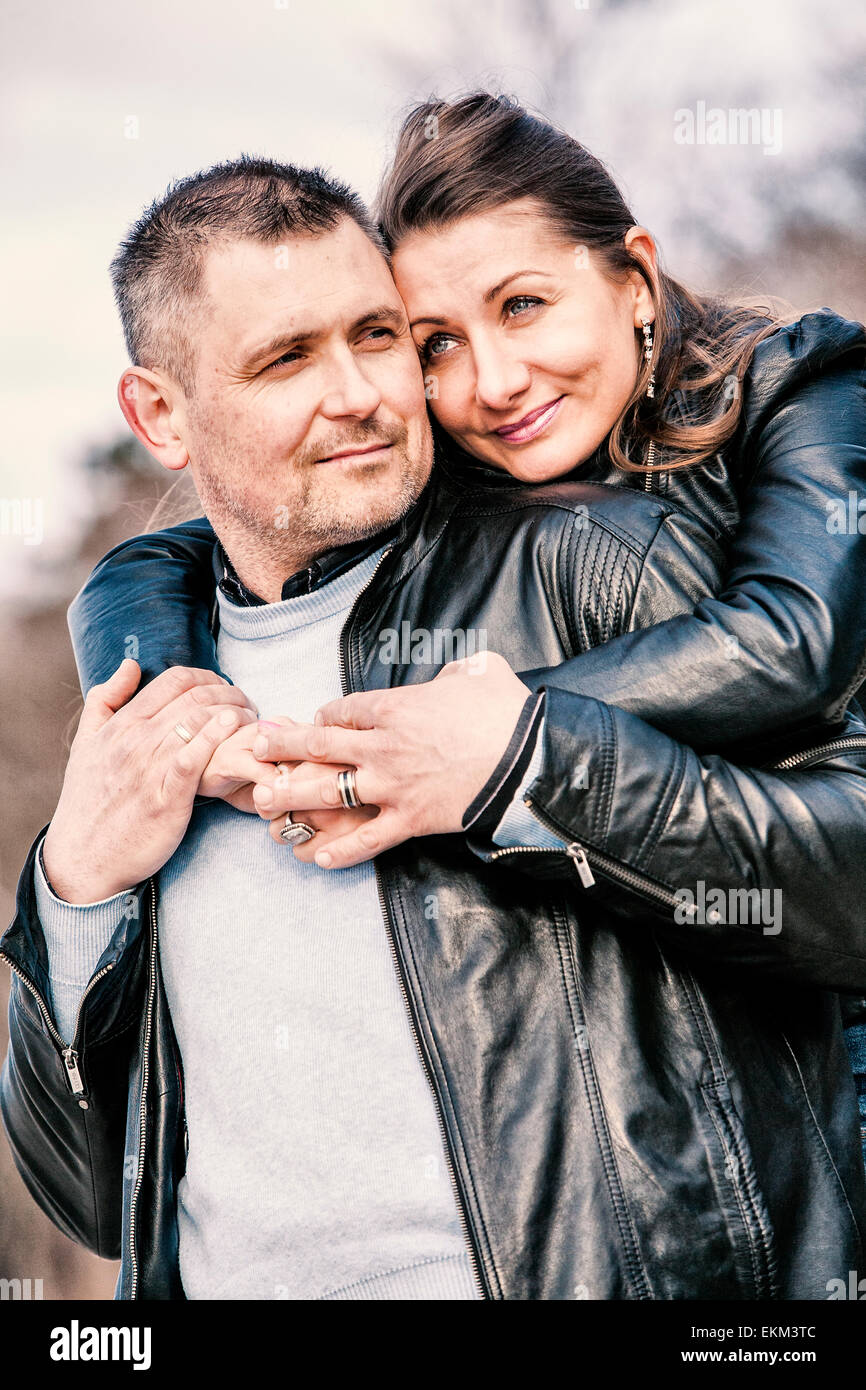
281 342
489 296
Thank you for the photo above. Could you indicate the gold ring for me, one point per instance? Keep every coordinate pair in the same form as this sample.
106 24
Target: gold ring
183 732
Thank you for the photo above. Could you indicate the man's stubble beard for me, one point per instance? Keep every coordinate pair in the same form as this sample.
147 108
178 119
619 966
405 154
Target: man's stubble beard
314 516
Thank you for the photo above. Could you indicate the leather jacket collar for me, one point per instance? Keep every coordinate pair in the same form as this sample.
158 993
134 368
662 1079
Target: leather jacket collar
322 570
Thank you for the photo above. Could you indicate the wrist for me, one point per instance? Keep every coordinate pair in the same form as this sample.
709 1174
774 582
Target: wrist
489 806
75 887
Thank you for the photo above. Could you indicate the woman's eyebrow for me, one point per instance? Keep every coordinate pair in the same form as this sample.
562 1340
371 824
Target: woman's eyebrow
488 297
492 293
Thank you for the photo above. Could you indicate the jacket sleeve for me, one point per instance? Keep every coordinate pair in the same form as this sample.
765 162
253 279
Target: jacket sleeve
784 640
70 1148
754 867
114 614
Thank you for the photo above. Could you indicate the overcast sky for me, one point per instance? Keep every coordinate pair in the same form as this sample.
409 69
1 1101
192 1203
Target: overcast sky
195 81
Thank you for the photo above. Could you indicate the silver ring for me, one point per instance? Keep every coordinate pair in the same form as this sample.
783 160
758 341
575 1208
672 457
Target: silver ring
183 732
296 832
348 790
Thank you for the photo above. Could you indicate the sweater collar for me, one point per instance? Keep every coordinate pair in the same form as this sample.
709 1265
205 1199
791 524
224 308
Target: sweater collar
327 566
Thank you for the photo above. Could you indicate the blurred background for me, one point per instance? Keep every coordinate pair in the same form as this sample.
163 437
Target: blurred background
104 103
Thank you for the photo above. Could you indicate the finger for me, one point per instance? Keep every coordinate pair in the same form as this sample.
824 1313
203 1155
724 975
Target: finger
306 743
324 834
242 800
362 710
303 792
185 764
106 699
198 720
246 768
170 684
383 832
186 709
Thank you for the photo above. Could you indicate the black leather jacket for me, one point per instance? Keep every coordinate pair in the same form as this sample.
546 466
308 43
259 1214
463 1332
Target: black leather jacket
632 1107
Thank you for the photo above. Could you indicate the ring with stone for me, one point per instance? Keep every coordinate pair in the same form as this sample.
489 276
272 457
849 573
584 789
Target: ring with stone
296 832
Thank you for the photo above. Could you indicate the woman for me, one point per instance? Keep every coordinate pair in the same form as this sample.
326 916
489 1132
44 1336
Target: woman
553 344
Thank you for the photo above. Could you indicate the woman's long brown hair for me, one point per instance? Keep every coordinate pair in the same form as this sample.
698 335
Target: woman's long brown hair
459 158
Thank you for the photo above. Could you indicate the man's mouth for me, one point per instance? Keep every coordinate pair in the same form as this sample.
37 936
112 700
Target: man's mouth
531 425
356 452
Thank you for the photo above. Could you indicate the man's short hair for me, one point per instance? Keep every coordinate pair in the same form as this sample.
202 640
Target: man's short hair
157 272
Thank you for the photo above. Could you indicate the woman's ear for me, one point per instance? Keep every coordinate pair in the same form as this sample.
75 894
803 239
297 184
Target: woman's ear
642 245
152 406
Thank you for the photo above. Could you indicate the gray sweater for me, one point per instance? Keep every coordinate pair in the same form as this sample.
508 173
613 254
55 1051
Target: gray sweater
316 1167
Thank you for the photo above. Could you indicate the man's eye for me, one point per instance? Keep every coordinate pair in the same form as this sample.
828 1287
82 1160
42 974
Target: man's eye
436 346
379 336
285 361
520 303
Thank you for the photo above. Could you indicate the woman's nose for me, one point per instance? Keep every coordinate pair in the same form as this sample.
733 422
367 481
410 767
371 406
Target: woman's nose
499 379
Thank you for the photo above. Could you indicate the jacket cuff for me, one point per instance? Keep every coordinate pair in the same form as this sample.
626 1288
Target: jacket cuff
486 811
76 935
519 826
574 789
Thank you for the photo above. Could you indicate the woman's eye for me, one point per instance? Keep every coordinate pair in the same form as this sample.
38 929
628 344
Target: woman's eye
436 346
520 303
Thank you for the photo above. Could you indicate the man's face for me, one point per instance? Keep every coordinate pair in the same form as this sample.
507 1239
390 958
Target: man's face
308 426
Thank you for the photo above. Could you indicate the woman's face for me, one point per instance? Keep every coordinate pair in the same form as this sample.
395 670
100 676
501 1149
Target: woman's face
529 351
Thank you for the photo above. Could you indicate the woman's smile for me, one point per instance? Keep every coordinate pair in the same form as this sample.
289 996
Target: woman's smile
531 425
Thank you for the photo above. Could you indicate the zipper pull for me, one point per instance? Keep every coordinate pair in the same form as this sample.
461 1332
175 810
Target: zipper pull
73 1075
581 863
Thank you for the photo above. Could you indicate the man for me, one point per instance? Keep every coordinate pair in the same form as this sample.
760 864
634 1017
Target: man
504 1072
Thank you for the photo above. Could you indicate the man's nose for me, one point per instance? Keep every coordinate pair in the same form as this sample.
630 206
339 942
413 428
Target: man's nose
499 377
349 392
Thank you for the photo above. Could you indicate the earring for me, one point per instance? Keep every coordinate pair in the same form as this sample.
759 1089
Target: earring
648 352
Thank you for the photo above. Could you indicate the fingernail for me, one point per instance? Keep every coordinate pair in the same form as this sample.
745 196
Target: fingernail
268 724
264 796
323 859
318 717
260 746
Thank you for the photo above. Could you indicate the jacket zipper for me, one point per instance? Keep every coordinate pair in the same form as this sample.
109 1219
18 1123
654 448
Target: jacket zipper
834 745
584 858
67 1050
142 1104
592 1089
462 1212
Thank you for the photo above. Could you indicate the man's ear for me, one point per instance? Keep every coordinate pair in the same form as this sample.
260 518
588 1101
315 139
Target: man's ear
153 407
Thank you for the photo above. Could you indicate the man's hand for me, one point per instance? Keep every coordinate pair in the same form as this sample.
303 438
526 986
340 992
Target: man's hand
422 754
131 779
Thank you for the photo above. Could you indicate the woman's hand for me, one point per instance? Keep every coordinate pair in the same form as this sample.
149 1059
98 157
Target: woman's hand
233 772
422 754
328 825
